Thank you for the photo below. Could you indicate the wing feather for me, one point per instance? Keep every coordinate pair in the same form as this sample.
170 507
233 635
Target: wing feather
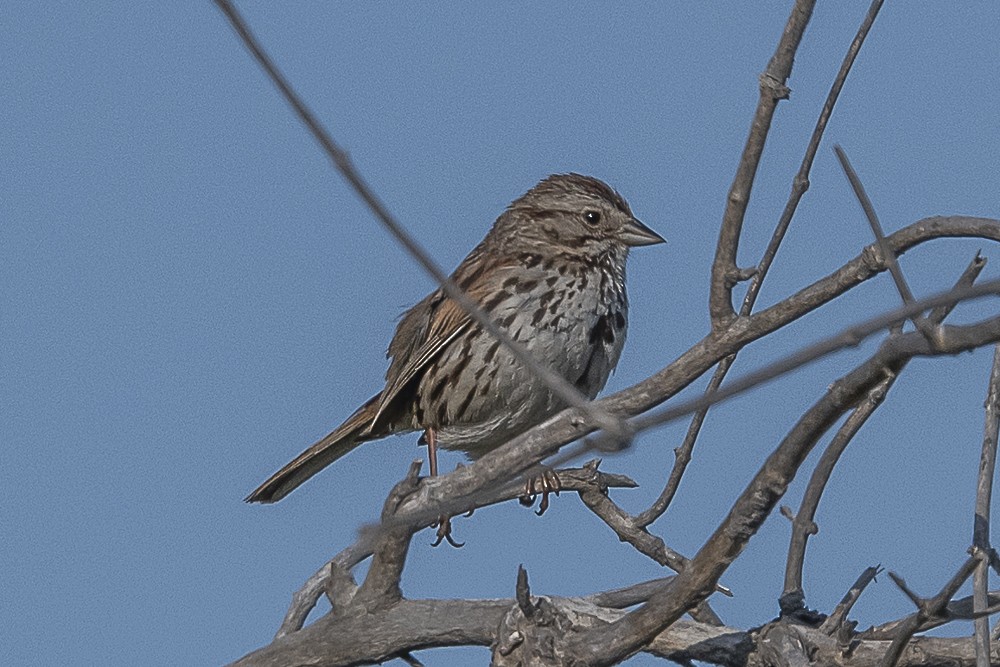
433 324
446 321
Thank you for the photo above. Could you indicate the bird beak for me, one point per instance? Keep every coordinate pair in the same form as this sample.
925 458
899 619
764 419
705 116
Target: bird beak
637 234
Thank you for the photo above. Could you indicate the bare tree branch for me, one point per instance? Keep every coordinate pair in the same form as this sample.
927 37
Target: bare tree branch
847 338
832 652
772 90
621 598
381 586
793 597
625 528
437 623
303 602
981 524
962 609
409 625
406 626
868 264
800 184
335 574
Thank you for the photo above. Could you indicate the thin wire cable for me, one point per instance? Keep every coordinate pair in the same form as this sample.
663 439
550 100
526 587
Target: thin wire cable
555 382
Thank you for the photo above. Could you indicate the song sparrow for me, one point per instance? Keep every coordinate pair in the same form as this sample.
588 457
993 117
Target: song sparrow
551 272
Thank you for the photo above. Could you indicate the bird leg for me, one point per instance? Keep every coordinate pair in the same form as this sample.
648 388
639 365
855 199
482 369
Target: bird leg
545 483
430 437
444 522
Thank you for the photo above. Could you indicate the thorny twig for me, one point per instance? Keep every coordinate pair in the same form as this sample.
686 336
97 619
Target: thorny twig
926 609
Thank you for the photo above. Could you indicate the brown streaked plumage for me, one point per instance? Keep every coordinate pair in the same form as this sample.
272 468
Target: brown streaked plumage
551 272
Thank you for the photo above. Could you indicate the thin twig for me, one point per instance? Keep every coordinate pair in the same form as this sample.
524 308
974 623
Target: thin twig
410 659
968 277
836 619
555 382
901 584
772 89
800 184
792 598
889 256
876 226
624 527
981 523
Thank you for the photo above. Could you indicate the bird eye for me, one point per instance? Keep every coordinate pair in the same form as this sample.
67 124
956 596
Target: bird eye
592 217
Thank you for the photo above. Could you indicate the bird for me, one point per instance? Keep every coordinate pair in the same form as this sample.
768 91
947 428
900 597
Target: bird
551 273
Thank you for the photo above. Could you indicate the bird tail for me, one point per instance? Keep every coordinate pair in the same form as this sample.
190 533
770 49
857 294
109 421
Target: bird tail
354 431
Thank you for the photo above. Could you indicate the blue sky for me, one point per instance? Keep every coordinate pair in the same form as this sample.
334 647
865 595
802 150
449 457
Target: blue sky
191 295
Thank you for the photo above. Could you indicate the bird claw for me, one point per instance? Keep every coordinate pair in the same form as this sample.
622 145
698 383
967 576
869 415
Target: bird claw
444 533
545 483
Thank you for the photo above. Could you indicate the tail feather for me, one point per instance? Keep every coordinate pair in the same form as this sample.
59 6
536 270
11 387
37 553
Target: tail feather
342 440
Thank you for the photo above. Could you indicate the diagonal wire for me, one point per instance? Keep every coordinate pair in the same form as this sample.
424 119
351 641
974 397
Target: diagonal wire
555 382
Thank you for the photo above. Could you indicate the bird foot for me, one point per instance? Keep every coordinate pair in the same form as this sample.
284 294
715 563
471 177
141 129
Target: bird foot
444 533
545 483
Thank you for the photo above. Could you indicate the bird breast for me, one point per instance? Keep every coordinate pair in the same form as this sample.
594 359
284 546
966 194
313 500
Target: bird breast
478 395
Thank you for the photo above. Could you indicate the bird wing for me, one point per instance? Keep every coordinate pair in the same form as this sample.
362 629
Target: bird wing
420 337
431 325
